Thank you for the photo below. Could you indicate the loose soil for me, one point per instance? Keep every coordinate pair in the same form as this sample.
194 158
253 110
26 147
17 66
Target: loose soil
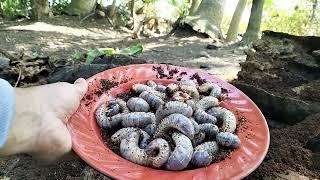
286 65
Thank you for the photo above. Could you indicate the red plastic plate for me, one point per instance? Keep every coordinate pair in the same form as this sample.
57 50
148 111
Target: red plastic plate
89 145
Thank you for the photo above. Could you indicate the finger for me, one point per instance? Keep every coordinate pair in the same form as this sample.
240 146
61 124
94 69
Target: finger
82 87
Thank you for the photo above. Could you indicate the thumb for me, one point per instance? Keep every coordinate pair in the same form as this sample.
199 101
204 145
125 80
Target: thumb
81 86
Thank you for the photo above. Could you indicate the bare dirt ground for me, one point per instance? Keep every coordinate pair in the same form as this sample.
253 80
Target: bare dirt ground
61 37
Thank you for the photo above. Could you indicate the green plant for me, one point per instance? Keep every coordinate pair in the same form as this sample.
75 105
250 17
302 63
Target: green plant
59 6
14 8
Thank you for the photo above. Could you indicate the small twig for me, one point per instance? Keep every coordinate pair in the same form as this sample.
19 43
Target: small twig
8 55
20 72
87 16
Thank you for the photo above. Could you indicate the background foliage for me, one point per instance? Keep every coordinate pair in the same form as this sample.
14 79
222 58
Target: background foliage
290 16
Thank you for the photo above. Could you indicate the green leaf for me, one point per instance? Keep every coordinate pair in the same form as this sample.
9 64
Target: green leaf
92 54
133 50
107 50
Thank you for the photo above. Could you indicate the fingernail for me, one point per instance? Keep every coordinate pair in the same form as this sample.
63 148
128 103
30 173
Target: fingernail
82 85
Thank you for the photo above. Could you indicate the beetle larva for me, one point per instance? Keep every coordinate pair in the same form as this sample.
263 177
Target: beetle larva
182 153
228 139
138 105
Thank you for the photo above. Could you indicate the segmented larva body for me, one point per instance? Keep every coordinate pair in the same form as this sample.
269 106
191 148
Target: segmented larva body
210 130
229 120
138 119
157 93
101 115
203 153
150 129
122 104
153 100
160 88
111 122
195 125
178 122
216 111
180 96
129 149
215 91
199 138
228 139
172 107
124 132
203 117
113 108
192 104
136 104
139 88
210 88
189 87
158 151
207 102
151 83
171 88
182 153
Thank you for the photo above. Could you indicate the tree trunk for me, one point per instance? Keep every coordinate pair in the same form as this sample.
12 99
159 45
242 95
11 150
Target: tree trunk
133 13
81 7
194 6
112 10
40 8
235 22
253 29
208 17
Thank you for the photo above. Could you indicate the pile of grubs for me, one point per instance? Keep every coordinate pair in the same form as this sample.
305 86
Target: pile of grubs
170 127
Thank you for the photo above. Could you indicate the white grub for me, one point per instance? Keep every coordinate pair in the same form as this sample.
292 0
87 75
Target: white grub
209 129
136 104
158 151
203 154
180 96
229 120
139 88
130 150
207 102
203 117
101 115
122 104
150 129
216 91
182 153
161 88
171 88
210 88
228 140
151 83
175 122
123 133
195 125
172 107
138 119
153 100
189 87
198 138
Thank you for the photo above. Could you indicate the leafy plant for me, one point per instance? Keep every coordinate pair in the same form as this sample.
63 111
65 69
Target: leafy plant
15 8
129 51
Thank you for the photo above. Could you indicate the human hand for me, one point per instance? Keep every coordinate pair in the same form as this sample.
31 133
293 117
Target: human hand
38 127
